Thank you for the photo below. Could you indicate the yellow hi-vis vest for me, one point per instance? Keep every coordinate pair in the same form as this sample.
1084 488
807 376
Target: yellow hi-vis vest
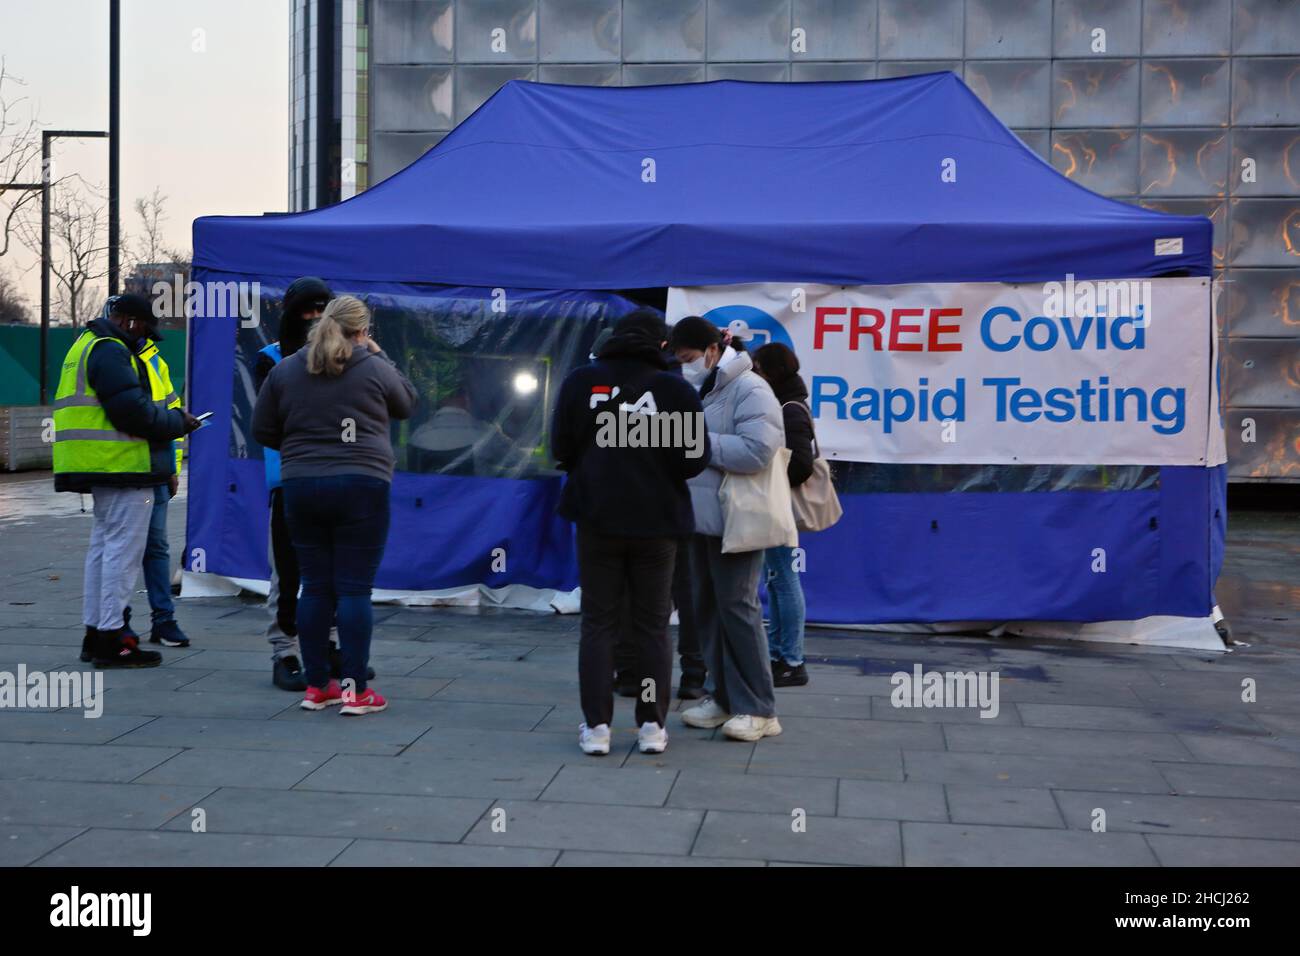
158 366
85 441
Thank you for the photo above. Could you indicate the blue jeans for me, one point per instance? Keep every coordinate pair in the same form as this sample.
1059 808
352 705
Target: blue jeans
339 525
158 561
785 606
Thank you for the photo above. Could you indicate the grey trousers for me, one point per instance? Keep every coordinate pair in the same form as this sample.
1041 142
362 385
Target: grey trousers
117 540
730 622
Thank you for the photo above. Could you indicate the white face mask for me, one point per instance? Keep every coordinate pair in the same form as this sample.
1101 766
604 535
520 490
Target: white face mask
695 371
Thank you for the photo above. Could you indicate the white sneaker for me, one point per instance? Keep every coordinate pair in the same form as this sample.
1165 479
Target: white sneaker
746 727
706 714
594 740
652 739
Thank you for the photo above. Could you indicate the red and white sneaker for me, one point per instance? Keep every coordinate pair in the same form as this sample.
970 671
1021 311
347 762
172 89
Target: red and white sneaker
369 701
318 698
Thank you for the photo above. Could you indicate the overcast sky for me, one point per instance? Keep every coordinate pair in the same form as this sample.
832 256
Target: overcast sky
209 127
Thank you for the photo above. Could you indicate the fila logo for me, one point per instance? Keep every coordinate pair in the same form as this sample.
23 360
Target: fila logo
645 405
601 393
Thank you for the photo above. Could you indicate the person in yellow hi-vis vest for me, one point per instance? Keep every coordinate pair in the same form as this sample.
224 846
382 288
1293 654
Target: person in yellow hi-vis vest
157 555
113 436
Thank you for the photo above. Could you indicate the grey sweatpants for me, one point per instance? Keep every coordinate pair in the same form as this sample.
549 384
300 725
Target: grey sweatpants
117 540
730 622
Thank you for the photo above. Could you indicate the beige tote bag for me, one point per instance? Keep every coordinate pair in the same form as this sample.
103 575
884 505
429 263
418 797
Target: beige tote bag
816 505
756 509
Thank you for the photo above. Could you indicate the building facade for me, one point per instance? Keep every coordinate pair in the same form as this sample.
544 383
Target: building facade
1187 106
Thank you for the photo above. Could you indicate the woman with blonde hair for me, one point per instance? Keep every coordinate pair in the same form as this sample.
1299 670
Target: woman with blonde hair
327 409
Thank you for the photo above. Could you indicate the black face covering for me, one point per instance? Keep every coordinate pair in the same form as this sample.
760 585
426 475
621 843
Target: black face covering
293 334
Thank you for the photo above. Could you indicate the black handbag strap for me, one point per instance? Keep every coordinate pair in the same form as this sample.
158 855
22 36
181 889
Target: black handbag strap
812 425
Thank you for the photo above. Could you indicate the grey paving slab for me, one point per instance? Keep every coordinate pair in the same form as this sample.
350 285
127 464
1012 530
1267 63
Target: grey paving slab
21 844
626 786
1010 806
451 714
176 703
575 826
849 706
69 803
818 759
307 813
703 789
1030 770
65 726
515 745
891 800
699 749
1220 780
774 836
878 734
1174 850
961 844
1193 816
103 763
118 848
1054 740
215 767
1264 751
589 858
516 690
331 733
882 708
407 853
1156 719
424 774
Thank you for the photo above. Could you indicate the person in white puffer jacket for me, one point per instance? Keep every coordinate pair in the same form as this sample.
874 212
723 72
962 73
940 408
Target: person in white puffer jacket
745 432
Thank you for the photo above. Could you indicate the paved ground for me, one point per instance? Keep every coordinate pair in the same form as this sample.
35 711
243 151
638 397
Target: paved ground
476 761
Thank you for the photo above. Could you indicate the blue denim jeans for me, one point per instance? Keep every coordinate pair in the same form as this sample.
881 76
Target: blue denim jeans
158 561
339 525
785 606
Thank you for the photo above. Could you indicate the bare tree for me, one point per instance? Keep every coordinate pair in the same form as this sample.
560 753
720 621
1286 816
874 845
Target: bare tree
20 153
13 304
148 248
79 245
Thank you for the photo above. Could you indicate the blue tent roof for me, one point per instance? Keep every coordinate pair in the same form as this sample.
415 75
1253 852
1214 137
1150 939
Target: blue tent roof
545 187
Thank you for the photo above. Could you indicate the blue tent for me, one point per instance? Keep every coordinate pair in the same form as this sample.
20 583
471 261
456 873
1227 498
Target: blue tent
551 199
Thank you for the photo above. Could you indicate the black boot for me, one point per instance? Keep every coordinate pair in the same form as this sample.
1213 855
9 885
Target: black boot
288 674
88 644
691 687
116 649
126 625
626 684
336 665
788 675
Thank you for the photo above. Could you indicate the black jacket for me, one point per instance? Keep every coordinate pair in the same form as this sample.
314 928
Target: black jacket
798 427
620 490
122 386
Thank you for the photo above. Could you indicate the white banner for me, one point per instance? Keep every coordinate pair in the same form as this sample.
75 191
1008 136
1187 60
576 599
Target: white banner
1072 372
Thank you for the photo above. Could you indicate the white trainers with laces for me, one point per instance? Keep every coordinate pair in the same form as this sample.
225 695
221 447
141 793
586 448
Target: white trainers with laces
747 727
652 739
594 740
706 714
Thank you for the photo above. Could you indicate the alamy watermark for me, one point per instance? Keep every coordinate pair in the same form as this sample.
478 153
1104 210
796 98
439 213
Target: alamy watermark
38 690
946 689
180 298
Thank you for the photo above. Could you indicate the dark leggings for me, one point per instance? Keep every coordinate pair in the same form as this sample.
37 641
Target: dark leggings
339 525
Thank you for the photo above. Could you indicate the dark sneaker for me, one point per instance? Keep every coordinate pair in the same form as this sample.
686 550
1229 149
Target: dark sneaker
168 634
626 684
336 665
288 674
117 649
788 675
88 645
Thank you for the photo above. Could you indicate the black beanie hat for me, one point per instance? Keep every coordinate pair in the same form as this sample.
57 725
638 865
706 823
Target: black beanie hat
647 321
307 292
694 332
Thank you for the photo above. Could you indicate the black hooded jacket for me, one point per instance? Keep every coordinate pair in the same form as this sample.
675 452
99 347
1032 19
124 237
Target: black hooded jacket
793 396
616 489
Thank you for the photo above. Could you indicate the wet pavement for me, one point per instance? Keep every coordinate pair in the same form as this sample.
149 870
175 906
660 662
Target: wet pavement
203 762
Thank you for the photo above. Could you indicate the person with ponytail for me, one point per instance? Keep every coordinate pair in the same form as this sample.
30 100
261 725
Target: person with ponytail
327 410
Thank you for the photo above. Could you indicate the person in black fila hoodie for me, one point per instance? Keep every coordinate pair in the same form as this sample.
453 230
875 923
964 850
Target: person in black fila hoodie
629 432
